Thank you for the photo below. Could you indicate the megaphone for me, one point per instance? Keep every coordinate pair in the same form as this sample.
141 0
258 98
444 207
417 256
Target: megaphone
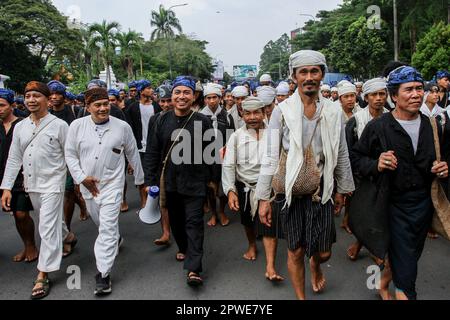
151 214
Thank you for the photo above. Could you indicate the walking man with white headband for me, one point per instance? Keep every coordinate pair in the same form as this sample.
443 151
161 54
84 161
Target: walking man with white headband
267 95
347 99
400 145
38 146
241 168
240 93
313 158
223 125
95 154
375 95
282 92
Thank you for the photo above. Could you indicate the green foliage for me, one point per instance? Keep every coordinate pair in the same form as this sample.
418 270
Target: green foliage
18 63
275 58
155 77
357 50
164 22
415 17
433 51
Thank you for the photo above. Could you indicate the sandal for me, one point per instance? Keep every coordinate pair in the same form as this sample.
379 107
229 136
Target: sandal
194 280
72 244
180 256
44 290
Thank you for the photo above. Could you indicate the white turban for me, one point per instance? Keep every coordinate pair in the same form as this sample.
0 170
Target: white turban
265 78
334 89
345 87
252 104
374 85
325 87
212 88
283 89
305 58
358 83
240 91
266 94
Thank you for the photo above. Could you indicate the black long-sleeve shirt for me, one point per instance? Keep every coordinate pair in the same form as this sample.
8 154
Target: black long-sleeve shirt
191 176
5 145
385 133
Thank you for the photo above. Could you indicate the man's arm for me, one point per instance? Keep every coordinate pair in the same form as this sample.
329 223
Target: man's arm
229 166
14 162
343 171
72 155
154 156
132 153
362 162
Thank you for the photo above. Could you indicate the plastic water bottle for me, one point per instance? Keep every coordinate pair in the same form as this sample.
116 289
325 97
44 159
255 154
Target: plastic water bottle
153 192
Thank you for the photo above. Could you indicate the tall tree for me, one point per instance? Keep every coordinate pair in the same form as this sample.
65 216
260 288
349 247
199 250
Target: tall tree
104 36
165 21
130 44
433 50
275 58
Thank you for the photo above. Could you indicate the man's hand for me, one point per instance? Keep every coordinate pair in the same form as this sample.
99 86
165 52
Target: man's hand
339 201
265 212
91 184
130 170
222 153
440 169
387 161
6 200
233 201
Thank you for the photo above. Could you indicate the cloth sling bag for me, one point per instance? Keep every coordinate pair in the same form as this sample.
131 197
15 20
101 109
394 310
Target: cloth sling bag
441 216
36 133
308 179
162 184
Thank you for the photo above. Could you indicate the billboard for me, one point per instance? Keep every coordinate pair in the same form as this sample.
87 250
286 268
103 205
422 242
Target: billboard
219 70
244 72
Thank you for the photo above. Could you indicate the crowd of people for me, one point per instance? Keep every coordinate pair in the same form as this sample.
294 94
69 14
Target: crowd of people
288 157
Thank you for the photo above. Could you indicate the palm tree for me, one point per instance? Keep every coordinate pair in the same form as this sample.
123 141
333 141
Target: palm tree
130 44
88 50
104 36
164 22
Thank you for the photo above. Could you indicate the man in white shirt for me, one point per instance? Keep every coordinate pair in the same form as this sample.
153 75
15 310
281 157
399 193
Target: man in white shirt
38 146
95 151
240 172
139 114
347 99
240 93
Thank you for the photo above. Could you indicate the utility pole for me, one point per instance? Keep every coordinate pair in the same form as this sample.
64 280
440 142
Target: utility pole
395 32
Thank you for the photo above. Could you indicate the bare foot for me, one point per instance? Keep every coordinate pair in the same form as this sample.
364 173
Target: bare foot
124 207
345 226
32 254
353 251
317 278
180 256
272 275
213 221
84 216
163 241
224 220
384 294
251 253
432 235
19 257
206 208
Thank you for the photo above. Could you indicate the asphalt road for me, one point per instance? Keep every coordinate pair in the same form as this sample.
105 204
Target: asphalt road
144 271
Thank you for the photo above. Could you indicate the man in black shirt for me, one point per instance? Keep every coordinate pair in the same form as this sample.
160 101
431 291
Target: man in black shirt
20 202
184 179
443 81
399 146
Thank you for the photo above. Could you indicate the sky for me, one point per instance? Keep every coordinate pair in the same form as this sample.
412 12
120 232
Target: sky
237 30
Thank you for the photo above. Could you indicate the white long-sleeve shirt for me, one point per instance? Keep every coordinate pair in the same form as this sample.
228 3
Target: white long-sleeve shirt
98 151
243 158
44 166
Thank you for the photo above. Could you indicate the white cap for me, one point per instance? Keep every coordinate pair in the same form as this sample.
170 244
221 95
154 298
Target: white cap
283 89
240 91
325 87
212 88
265 78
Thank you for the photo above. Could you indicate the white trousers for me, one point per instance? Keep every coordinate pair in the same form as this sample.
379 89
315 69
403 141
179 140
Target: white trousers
105 211
49 209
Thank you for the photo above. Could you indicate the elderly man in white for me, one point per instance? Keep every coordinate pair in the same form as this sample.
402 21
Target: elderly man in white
38 147
95 154
307 153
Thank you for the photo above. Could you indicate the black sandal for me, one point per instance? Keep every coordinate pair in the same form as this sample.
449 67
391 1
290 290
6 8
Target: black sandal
45 289
194 280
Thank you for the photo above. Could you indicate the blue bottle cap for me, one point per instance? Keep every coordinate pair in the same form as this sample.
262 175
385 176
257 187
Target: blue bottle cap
153 192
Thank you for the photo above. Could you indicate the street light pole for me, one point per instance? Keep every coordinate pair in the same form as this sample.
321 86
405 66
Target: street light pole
169 39
395 32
